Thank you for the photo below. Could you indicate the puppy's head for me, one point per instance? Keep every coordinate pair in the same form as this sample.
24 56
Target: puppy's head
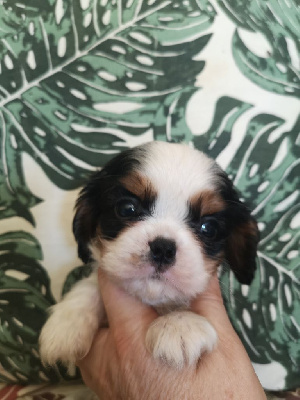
160 218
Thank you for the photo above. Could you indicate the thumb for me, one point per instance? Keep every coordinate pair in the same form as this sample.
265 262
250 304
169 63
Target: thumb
210 304
122 308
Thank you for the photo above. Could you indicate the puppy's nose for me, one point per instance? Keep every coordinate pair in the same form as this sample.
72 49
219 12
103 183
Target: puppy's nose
162 252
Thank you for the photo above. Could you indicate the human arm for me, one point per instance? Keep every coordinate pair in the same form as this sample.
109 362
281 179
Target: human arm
119 367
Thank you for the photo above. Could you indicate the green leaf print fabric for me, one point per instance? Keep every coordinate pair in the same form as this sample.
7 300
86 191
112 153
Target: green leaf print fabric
81 80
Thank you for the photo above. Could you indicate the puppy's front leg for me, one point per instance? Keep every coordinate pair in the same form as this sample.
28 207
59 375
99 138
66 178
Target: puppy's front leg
180 337
68 334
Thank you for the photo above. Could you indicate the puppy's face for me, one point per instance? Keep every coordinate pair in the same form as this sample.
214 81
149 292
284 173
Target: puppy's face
160 218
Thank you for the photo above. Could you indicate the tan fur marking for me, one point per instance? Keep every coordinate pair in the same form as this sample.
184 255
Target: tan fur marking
138 185
208 202
239 239
249 229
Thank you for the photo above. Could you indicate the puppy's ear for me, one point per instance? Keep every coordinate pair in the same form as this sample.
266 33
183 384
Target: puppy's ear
93 198
87 210
240 250
242 241
82 228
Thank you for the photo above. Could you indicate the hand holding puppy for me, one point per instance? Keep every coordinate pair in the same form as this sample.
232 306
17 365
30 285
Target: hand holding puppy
119 366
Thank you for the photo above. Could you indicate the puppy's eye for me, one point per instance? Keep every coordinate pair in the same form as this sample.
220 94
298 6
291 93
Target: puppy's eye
127 209
209 229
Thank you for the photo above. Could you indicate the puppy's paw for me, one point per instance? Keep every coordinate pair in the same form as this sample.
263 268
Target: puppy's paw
180 338
67 335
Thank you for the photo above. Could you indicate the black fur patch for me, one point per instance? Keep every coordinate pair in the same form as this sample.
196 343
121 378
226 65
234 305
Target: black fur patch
237 234
242 241
97 201
212 246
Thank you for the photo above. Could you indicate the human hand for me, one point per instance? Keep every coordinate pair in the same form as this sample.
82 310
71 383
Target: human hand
118 366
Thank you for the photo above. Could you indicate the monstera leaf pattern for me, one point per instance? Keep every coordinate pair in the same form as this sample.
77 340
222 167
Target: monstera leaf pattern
101 71
267 314
82 80
279 22
24 299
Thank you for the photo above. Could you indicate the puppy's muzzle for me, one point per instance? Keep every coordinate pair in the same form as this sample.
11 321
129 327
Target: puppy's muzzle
162 253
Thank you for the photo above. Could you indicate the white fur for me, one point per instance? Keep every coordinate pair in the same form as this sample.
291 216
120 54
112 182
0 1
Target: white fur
180 338
68 334
130 250
177 173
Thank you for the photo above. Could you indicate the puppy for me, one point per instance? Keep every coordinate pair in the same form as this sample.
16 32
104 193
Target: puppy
158 219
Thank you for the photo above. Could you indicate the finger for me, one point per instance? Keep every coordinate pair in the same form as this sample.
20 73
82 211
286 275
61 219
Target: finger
121 307
96 350
210 304
93 364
